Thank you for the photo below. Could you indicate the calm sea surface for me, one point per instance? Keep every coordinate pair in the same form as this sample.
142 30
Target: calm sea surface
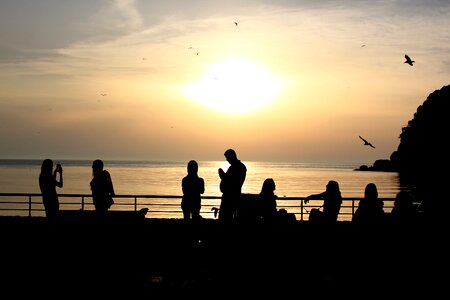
164 178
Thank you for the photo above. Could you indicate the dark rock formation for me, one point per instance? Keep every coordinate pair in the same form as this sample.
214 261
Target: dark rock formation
384 165
421 155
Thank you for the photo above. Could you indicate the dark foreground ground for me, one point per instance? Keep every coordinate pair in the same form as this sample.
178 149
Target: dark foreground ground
147 258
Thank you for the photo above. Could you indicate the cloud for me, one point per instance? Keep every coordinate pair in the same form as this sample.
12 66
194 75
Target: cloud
131 18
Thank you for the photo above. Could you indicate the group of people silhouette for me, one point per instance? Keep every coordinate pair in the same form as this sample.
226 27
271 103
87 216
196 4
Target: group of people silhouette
101 186
370 209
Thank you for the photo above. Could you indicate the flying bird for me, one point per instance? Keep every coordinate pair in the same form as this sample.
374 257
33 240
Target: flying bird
408 60
103 94
236 23
366 143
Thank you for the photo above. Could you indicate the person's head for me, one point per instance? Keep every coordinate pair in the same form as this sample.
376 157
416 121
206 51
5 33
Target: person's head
333 187
371 191
47 166
402 199
192 167
97 166
268 185
230 155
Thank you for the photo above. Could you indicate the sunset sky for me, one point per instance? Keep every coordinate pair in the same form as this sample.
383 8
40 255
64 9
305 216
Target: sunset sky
294 81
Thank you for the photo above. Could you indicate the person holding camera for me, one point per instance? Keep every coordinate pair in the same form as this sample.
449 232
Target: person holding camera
48 181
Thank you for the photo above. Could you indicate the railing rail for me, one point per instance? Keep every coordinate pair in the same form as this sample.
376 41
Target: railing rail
161 206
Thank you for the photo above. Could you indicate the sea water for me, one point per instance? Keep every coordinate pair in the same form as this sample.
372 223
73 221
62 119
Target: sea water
164 178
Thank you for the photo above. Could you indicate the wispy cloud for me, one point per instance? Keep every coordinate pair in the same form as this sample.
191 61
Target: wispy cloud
131 18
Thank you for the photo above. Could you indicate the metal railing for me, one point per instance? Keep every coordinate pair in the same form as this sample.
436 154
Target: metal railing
161 206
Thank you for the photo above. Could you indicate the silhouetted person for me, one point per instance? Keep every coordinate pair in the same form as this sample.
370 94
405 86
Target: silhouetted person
193 186
370 208
284 217
48 181
268 201
102 187
404 211
332 201
231 183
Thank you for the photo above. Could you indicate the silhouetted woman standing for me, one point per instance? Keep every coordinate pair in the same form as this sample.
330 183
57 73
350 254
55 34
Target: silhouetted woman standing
48 181
193 186
101 187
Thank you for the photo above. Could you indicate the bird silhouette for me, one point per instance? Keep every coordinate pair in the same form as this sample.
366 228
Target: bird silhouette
408 60
236 23
366 143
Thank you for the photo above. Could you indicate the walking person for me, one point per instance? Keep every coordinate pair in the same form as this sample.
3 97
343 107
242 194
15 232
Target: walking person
102 187
231 183
192 186
48 181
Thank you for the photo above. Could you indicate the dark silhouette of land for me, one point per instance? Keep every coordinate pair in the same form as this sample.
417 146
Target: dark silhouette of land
420 158
137 257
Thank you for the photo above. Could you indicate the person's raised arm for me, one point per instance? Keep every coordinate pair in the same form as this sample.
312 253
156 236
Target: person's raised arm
314 197
59 181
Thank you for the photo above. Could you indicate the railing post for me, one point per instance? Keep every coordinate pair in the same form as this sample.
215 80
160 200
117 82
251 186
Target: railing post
29 205
135 203
353 207
82 203
301 210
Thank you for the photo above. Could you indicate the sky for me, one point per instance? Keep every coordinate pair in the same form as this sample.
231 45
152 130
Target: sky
287 81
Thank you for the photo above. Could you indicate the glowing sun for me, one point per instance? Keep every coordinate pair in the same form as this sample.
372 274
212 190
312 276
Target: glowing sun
235 87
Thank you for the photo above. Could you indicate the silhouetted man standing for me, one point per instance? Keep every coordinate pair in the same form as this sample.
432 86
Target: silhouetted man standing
231 183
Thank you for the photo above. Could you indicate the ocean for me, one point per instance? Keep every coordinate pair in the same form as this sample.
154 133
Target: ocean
164 178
